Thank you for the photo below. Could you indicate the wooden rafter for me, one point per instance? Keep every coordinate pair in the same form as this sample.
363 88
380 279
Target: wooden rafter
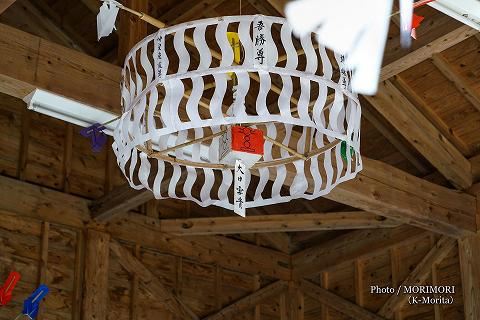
30 62
118 201
422 134
276 223
430 114
336 302
250 301
5 4
151 283
446 69
418 276
393 138
475 162
350 247
382 189
241 256
431 46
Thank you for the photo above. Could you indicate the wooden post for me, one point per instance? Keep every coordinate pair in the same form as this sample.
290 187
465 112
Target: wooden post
257 286
78 275
134 295
42 274
131 29
96 275
324 278
469 249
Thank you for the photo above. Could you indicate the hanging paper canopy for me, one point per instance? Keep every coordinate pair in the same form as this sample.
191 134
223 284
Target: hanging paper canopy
180 100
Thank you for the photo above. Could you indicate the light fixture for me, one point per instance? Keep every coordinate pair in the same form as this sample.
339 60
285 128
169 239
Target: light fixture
465 11
68 110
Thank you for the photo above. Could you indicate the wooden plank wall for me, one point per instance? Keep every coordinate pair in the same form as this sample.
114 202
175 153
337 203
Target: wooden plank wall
204 287
353 282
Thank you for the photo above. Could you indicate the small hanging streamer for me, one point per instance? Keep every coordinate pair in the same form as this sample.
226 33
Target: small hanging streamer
416 21
7 289
97 136
106 18
32 303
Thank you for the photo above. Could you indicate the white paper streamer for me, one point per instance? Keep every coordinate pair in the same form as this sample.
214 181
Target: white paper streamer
355 28
106 18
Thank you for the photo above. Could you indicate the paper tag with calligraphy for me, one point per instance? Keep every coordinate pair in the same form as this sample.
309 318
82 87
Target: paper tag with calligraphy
261 27
344 74
161 62
240 188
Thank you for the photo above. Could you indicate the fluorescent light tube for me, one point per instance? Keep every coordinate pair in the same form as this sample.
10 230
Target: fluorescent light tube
465 11
83 115
68 110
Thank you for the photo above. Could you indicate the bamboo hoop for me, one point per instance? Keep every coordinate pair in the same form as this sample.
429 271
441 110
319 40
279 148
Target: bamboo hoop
258 165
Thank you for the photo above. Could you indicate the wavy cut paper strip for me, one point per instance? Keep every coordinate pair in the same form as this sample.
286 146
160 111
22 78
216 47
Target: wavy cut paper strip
174 92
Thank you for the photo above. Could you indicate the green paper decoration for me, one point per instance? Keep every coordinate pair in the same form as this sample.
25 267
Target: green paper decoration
343 151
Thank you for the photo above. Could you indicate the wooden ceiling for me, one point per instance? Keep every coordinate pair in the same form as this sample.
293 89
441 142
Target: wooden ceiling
421 148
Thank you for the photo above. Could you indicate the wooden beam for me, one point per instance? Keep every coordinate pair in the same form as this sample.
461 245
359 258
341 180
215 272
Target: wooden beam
29 62
468 249
382 189
338 303
279 5
95 300
31 201
5 4
430 114
151 283
250 301
475 162
422 134
28 200
393 137
276 223
123 199
446 69
130 28
119 201
419 275
431 45
349 247
228 253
